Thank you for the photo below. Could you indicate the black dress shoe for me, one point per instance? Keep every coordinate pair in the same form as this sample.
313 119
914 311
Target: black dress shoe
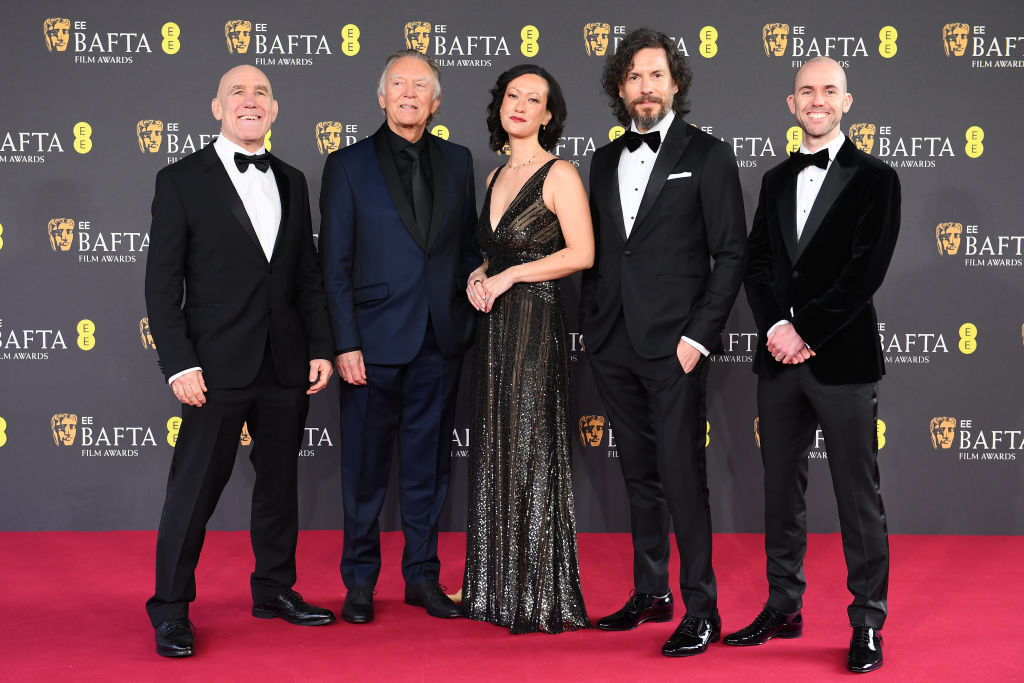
692 636
358 608
430 596
175 637
290 606
865 650
770 623
639 608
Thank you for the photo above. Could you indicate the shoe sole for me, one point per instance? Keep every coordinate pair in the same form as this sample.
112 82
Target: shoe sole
357 620
863 671
267 614
174 654
753 643
695 652
653 620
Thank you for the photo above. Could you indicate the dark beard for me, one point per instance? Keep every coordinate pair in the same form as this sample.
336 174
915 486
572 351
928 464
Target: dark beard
645 123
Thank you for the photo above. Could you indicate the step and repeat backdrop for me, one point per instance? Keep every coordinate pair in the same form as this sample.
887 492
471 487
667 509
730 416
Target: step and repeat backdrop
98 96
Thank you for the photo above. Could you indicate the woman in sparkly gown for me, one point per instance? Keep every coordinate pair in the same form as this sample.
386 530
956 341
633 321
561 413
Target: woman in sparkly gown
522 570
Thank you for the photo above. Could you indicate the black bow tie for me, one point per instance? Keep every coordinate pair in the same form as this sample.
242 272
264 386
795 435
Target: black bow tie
260 161
634 140
801 161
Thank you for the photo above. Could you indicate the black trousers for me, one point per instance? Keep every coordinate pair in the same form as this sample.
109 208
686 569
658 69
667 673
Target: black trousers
658 416
204 456
790 407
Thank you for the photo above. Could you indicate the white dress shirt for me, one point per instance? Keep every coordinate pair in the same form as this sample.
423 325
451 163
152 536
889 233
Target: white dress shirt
808 183
260 197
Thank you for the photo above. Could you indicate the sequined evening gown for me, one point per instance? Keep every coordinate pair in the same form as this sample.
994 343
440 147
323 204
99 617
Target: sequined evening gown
522 569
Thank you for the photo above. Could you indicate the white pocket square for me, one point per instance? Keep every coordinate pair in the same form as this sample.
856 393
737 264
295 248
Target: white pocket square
673 176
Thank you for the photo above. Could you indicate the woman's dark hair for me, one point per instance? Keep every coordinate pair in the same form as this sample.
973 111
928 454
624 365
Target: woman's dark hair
617 65
548 134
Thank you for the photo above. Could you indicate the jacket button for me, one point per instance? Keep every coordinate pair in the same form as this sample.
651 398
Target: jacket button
797 274
627 253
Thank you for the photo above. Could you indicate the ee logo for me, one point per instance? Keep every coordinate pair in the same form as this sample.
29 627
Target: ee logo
968 343
887 41
83 137
173 425
530 47
350 40
86 340
708 42
3 432
440 131
974 148
793 137
879 433
171 32
266 140
616 132
707 435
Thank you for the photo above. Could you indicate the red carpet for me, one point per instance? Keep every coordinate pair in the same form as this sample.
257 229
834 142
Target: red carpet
72 609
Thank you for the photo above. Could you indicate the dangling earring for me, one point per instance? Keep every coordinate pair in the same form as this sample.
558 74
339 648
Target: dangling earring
541 132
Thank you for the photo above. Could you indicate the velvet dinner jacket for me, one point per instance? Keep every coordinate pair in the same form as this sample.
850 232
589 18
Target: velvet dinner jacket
826 278
212 296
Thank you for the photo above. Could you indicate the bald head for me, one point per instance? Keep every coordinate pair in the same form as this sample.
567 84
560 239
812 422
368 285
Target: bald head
245 107
821 67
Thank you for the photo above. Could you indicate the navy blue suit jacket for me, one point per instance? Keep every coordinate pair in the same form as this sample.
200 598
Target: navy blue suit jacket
382 280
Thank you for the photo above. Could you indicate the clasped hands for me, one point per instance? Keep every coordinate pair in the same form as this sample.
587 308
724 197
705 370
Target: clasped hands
482 290
786 346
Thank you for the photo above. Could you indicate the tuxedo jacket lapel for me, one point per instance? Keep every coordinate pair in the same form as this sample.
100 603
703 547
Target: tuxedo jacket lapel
282 189
839 174
220 180
438 188
394 186
787 212
672 148
609 176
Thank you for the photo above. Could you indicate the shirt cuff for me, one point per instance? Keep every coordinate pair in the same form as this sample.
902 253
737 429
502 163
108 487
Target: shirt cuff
772 328
183 372
695 344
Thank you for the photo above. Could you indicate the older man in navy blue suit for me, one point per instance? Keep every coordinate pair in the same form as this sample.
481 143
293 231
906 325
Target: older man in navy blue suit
397 246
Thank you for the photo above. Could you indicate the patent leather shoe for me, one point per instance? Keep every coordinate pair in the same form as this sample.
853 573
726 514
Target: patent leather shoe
358 607
770 623
430 596
639 608
865 650
692 636
290 606
175 637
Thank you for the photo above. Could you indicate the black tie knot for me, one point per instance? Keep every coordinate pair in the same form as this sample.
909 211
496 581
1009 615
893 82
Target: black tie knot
634 140
801 161
260 161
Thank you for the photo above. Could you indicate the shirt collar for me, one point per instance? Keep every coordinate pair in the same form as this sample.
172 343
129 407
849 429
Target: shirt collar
832 147
398 143
662 126
226 151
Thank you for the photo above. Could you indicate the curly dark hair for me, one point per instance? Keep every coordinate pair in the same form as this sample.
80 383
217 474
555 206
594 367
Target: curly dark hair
617 66
548 134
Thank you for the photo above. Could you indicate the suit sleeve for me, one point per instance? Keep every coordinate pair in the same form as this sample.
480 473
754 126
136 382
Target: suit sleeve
165 276
337 251
759 282
873 244
726 229
470 254
310 288
588 284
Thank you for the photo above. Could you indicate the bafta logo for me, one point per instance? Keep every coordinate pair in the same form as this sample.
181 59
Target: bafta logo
146 335
151 134
328 136
954 39
237 32
64 427
417 36
245 438
757 431
776 37
62 233
56 30
863 135
591 429
595 37
947 237
943 429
